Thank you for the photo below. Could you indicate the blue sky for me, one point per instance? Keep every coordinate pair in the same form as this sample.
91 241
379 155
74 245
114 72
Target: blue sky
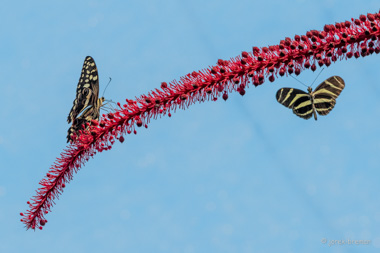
244 175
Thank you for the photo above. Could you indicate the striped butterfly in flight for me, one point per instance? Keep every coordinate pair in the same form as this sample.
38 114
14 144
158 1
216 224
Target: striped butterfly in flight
86 106
322 100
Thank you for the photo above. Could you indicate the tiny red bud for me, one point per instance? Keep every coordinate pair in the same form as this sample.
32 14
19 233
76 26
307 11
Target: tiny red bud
220 62
357 22
307 64
169 114
42 222
282 72
21 214
271 78
214 70
244 54
242 92
220 87
121 139
63 185
236 80
290 70
357 54
135 132
362 18
255 50
265 49
225 96
243 61
313 67
347 24
139 123
164 85
208 90
297 72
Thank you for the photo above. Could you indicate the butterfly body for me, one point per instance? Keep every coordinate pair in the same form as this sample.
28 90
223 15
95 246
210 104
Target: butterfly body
86 105
322 100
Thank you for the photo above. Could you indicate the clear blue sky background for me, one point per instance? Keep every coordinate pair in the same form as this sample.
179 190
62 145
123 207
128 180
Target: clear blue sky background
244 175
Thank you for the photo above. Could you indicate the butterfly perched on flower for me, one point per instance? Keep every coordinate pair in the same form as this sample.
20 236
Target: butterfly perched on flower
322 100
86 106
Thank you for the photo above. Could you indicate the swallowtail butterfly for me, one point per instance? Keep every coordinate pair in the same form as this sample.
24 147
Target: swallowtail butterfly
321 100
86 106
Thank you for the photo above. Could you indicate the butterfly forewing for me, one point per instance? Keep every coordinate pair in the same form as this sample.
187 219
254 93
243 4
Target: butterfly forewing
296 99
86 106
87 89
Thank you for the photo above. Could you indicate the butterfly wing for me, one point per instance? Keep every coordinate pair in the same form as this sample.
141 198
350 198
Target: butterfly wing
326 93
87 89
296 99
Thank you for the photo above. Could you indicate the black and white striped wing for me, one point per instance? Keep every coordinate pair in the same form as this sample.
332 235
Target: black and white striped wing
296 99
326 93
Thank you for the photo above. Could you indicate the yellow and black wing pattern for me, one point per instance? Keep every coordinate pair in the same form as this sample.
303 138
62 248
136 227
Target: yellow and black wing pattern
322 100
86 105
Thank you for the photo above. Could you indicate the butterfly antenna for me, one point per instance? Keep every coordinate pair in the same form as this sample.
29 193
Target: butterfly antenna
107 86
317 77
299 81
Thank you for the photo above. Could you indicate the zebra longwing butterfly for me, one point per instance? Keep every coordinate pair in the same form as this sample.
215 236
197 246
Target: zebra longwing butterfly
86 106
321 100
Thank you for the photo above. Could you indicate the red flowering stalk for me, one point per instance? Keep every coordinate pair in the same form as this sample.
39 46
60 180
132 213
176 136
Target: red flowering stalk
355 38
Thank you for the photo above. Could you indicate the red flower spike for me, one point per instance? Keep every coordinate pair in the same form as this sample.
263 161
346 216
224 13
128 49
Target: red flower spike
331 44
